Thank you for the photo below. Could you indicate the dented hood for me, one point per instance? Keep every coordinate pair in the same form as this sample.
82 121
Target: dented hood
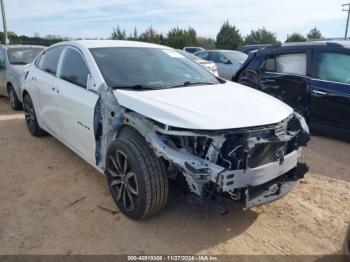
210 107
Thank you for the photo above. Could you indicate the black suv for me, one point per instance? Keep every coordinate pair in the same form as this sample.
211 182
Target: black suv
312 77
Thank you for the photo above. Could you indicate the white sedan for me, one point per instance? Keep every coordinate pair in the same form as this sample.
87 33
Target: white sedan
141 113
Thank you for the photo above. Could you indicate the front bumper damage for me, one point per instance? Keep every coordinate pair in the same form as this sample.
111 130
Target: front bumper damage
249 183
274 189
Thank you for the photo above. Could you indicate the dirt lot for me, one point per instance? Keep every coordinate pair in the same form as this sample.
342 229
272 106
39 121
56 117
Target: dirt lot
49 201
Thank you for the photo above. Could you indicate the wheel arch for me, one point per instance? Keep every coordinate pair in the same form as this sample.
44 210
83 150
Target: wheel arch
8 85
127 130
25 92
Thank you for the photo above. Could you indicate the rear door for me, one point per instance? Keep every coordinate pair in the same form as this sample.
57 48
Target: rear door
284 76
330 90
75 104
45 83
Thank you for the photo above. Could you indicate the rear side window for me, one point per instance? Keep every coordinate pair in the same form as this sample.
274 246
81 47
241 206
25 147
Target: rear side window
38 60
49 61
334 67
294 64
203 55
74 69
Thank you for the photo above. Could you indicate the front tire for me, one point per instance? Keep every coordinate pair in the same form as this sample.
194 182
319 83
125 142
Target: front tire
136 178
30 116
14 102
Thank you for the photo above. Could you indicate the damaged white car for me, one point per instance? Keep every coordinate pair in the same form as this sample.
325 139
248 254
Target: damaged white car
141 113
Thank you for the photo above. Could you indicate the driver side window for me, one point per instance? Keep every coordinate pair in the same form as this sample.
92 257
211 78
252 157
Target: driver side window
218 58
203 55
74 68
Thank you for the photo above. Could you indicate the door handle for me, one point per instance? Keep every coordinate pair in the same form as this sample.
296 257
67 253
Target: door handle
319 93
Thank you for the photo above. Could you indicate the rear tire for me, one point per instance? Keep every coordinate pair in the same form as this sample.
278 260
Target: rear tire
136 178
14 102
30 116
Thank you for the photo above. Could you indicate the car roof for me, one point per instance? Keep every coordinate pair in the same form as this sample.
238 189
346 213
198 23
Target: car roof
220 50
110 43
255 45
337 43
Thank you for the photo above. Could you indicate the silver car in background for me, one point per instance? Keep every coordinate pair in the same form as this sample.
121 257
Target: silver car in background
227 61
13 61
193 49
210 66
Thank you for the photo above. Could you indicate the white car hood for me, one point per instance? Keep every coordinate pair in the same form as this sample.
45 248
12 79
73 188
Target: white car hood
210 107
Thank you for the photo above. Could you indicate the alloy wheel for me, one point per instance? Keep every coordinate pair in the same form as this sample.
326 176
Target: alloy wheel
12 98
123 181
29 113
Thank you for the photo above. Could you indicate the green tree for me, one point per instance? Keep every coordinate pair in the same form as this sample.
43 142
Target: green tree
260 36
228 37
314 34
207 43
296 37
150 35
118 34
179 38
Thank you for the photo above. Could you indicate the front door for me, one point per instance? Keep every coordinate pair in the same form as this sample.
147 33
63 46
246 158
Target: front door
330 92
75 105
224 66
284 77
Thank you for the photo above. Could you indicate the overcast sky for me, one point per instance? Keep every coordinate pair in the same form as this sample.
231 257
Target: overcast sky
96 18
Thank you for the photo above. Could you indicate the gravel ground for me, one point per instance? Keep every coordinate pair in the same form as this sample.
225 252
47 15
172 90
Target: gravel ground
50 203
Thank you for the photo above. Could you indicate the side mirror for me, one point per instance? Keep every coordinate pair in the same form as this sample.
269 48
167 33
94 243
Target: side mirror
227 62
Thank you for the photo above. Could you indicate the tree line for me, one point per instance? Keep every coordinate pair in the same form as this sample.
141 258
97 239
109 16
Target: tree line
228 37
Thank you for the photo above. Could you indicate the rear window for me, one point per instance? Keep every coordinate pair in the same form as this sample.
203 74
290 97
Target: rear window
333 67
22 56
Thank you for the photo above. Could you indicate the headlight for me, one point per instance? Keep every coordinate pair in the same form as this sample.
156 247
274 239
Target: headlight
303 123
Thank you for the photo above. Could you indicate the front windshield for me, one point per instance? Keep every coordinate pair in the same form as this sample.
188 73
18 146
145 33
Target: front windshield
139 67
236 56
22 56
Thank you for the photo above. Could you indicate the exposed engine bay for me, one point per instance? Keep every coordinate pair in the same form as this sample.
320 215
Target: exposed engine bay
254 165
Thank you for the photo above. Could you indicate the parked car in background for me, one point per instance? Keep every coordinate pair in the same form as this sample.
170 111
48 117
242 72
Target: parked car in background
210 66
193 49
227 62
13 60
248 48
312 77
139 112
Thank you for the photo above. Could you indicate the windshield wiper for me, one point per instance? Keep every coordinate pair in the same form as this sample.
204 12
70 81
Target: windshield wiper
192 83
134 87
